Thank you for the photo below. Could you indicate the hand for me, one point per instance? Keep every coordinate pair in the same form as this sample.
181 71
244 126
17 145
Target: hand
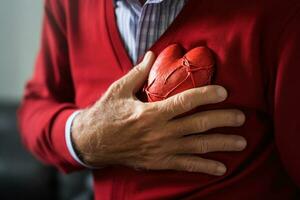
121 130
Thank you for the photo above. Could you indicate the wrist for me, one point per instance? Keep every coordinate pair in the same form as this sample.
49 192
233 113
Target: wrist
68 138
83 140
78 136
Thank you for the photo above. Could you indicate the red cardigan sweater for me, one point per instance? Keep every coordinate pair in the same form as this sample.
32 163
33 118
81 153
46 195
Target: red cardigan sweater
256 45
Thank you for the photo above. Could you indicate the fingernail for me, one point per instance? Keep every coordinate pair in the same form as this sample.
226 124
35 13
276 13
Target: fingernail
144 63
221 170
147 56
240 118
222 93
241 144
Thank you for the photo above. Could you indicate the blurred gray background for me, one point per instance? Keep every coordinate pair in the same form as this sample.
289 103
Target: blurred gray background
20 31
21 175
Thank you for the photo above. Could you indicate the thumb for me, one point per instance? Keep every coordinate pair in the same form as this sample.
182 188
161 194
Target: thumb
136 77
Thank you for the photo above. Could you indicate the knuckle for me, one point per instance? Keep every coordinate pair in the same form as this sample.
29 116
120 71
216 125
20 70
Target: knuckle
181 101
173 163
169 109
210 93
137 69
169 162
139 112
116 87
225 142
205 92
162 108
148 165
224 145
180 128
189 166
144 115
161 163
203 124
145 161
221 142
147 158
183 146
156 144
180 165
178 100
203 145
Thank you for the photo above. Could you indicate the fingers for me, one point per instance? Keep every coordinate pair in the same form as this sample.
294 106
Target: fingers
196 164
204 121
135 78
201 144
190 99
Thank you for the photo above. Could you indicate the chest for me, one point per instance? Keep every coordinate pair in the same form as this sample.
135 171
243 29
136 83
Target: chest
98 55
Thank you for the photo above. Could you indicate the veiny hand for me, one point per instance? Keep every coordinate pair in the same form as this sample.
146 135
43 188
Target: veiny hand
121 130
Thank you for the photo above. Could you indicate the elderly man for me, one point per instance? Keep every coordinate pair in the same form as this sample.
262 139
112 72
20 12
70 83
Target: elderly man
80 109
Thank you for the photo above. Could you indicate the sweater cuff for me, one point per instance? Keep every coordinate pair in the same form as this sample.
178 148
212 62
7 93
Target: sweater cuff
68 138
66 162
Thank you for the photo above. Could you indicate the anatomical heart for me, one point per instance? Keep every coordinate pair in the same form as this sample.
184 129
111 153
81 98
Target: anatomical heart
175 71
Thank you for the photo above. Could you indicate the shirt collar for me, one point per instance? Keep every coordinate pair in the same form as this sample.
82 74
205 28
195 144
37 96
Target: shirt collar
138 2
137 5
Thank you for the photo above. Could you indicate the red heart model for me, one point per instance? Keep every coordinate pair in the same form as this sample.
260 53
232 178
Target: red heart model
175 71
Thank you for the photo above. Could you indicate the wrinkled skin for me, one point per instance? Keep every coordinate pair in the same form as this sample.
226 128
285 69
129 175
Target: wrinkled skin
121 130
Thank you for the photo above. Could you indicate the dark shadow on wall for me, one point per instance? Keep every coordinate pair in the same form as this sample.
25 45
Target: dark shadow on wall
23 177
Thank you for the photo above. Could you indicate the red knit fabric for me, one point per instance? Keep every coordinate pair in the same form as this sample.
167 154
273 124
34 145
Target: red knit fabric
256 46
